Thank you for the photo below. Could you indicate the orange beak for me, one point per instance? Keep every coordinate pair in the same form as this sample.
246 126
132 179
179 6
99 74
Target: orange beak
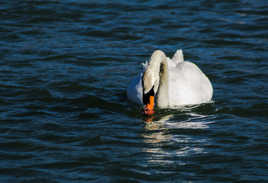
149 108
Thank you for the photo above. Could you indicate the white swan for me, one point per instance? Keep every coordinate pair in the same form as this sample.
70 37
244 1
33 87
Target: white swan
169 83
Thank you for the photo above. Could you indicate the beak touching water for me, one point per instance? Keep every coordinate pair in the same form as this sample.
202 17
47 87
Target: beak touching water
148 101
149 108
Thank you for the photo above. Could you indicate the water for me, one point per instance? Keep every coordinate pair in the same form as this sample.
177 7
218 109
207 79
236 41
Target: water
64 68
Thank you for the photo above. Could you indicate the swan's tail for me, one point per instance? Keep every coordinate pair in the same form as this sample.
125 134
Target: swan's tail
178 56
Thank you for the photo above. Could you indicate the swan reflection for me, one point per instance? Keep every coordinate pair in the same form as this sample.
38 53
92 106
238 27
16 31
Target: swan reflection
167 137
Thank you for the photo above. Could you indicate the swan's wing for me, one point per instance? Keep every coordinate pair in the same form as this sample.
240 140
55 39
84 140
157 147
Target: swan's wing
134 90
178 57
188 85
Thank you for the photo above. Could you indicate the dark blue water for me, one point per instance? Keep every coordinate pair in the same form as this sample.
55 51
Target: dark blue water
64 68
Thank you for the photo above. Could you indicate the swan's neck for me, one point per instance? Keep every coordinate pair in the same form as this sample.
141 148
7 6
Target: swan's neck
158 65
162 94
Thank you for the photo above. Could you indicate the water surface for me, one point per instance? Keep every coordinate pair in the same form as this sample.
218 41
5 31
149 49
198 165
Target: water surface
64 115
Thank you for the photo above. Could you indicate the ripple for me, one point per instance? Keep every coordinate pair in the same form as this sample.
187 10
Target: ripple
63 109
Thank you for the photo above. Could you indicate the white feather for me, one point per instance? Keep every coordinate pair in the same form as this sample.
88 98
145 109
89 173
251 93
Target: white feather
185 83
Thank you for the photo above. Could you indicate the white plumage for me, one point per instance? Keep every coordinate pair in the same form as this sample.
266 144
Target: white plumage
175 82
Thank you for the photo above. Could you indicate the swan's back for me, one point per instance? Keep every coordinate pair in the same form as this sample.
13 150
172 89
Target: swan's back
188 85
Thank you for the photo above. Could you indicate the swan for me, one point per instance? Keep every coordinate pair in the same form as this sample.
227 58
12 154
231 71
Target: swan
169 83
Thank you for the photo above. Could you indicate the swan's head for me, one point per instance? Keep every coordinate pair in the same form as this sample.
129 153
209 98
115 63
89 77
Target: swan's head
148 92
